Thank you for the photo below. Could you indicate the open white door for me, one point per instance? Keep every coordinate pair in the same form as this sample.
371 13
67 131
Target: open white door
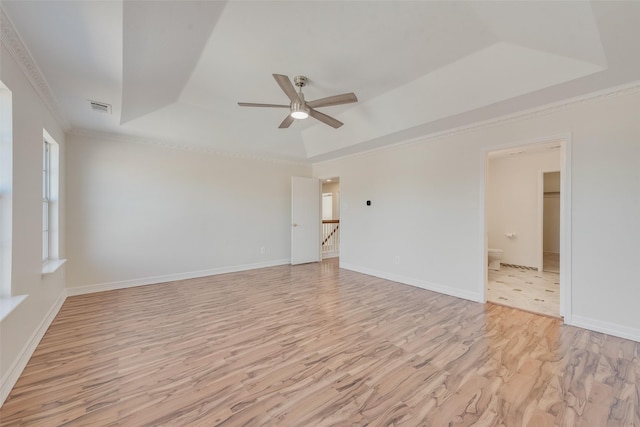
306 223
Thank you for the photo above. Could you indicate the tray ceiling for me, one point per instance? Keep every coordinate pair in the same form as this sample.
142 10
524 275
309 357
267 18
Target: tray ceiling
174 71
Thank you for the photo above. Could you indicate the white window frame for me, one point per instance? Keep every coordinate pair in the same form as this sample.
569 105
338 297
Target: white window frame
46 200
6 190
8 300
50 205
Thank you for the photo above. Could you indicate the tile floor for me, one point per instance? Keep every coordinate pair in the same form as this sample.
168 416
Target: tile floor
531 290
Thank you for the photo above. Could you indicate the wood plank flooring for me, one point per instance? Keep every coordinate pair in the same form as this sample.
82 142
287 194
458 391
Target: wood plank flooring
314 345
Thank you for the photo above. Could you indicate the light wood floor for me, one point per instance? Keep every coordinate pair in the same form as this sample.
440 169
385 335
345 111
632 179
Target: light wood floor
314 345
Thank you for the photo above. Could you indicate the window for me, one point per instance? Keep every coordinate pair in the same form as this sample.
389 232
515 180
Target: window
6 186
46 199
50 222
8 301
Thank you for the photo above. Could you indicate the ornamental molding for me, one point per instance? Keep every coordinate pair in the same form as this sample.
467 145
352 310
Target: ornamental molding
20 53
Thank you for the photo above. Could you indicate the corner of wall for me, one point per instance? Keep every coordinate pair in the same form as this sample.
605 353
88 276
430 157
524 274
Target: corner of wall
13 373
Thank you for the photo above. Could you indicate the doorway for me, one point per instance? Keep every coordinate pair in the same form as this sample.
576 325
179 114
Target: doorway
514 200
330 239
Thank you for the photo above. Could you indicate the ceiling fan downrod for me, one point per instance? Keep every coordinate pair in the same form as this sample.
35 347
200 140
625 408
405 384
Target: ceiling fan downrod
299 110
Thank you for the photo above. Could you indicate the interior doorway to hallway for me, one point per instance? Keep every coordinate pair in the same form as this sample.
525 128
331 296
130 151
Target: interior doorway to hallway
330 239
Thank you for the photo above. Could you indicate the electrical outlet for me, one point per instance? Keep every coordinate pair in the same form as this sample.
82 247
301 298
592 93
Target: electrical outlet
396 260
263 250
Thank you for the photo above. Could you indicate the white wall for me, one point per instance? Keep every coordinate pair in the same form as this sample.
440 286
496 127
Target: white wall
513 195
21 329
142 214
427 208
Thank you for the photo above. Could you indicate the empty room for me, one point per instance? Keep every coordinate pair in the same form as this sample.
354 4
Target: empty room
285 213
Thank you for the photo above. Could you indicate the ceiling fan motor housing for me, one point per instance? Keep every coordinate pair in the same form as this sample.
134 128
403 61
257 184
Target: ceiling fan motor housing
299 110
300 81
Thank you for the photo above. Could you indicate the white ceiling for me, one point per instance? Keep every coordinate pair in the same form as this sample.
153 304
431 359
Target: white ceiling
174 71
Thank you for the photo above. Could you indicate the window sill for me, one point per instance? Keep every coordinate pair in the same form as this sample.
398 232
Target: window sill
52 265
8 304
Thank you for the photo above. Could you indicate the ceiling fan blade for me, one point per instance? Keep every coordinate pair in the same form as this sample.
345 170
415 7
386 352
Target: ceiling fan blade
286 122
252 104
345 98
325 119
287 87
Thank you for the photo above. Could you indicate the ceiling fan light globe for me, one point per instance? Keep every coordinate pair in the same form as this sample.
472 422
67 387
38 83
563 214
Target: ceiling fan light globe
301 114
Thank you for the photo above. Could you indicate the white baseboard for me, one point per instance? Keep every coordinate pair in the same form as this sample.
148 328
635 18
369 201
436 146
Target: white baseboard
430 286
608 328
101 287
13 373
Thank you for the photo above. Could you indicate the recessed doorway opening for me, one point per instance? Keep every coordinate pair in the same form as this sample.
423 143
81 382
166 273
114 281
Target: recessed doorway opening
526 198
330 239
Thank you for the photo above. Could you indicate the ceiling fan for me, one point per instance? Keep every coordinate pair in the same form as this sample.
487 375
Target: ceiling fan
301 109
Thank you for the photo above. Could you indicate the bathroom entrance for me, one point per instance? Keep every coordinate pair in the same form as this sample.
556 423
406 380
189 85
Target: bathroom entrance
524 203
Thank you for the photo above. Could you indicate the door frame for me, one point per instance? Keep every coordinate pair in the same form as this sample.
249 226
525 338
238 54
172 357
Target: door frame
565 140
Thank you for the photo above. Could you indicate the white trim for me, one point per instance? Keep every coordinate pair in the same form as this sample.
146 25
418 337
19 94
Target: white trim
13 373
8 304
123 284
430 286
566 307
484 227
608 328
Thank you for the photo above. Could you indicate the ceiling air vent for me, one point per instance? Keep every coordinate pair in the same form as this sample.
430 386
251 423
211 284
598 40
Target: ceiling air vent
100 107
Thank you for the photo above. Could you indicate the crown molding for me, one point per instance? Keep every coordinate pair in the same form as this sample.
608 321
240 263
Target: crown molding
565 104
20 53
174 145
